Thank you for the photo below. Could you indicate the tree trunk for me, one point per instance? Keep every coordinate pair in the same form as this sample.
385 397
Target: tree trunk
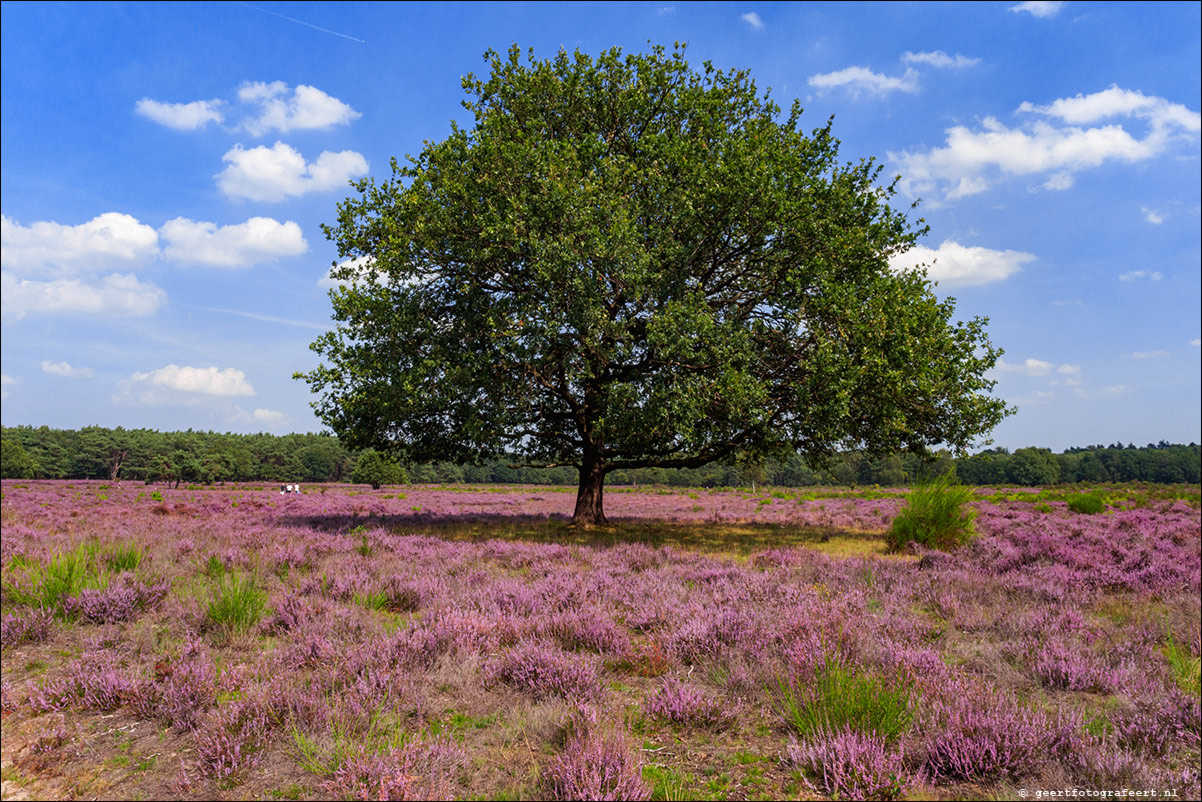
589 508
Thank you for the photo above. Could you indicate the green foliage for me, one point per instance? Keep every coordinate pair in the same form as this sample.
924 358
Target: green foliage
1087 503
936 516
377 469
1186 667
720 281
840 698
238 603
122 557
30 583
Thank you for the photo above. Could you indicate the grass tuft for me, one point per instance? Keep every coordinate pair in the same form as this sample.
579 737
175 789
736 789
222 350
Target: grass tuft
935 516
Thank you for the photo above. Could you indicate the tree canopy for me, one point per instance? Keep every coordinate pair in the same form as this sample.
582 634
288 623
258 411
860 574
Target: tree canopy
626 263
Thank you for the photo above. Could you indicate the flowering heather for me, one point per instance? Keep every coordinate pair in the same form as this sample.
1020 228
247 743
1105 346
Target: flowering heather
380 624
30 625
849 764
596 766
414 771
545 670
689 706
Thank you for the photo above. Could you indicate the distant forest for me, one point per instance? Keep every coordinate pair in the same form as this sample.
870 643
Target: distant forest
208 457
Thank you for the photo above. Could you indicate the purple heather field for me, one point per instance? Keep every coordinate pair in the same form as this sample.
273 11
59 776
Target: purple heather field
417 642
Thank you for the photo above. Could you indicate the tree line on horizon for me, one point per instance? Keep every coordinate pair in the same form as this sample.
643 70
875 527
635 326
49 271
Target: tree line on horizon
193 457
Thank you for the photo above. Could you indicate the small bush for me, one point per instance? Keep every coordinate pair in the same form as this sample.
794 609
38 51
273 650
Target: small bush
839 699
414 771
1087 503
595 766
935 516
688 706
27 626
851 765
546 671
237 604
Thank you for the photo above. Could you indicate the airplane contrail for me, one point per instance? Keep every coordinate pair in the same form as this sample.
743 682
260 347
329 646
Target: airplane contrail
302 22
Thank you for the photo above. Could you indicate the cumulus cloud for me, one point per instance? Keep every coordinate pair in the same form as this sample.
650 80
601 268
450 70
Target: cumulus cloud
106 241
65 370
1029 367
259 239
1148 354
268 418
114 295
176 384
6 381
1061 138
279 172
1151 216
1039 8
282 109
937 58
1071 375
753 19
862 79
956 265
1136 275
1195 342
181 116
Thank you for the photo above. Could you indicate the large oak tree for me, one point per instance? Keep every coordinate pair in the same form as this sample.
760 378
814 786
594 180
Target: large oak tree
627 263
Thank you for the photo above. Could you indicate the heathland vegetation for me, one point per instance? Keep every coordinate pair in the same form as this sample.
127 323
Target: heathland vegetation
469 642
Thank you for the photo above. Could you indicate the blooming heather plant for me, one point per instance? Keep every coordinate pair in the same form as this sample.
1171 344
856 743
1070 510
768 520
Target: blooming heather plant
984 738
850 764
124 599
544 670
596 766
688 706
413 771
27 626
232 739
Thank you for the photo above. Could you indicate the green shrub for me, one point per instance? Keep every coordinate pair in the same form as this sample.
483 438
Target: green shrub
35 585
237 603
840 698
1087 503
936 516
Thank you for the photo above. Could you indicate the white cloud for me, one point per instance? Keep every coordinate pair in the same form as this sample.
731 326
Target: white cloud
279 172
66 370
6 381
306 107
106 241
1117 102
956 265
259 239
1135 275
1030 367
268 418
1195 342
940 59
1071 374
1039 8
181 116
115 295
862 79
753 19
1148 354
972 160
175 384
1151 216
1059 181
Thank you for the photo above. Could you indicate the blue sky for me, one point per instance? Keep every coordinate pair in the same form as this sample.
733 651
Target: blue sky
166 169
